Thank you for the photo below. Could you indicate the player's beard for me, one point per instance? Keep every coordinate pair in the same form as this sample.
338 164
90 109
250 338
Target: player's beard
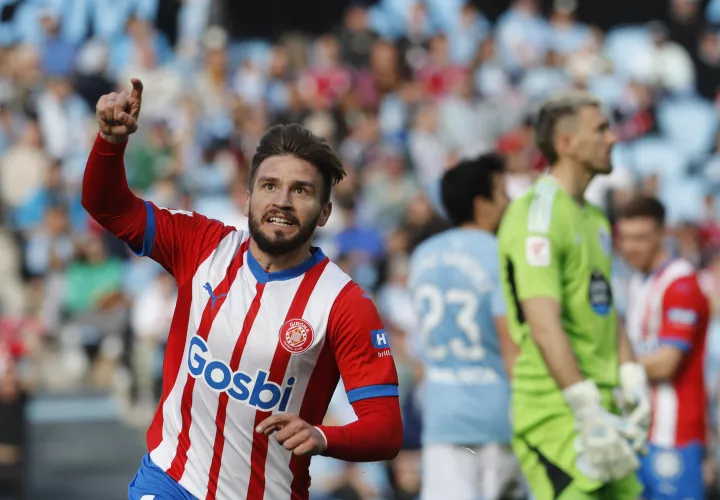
279 244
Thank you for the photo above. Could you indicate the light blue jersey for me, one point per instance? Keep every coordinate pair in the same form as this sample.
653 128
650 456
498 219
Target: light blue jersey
454 280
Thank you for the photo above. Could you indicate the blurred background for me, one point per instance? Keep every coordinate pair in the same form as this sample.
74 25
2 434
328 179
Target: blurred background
401 88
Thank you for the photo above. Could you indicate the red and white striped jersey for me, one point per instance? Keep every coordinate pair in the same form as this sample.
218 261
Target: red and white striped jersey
669 308
245 344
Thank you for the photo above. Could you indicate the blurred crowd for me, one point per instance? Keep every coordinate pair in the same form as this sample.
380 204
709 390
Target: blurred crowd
402 89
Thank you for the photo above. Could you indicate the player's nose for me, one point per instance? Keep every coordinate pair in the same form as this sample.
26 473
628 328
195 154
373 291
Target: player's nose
611 138
282 198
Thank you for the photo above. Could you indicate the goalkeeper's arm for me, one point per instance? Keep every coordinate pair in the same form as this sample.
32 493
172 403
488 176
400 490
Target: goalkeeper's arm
543 316
604 454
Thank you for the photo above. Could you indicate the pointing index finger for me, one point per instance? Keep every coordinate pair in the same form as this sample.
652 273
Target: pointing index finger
137 87
275 421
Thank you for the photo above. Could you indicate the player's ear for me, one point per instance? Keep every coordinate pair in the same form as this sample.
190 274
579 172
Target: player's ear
246 205
479 208
563 143
325 212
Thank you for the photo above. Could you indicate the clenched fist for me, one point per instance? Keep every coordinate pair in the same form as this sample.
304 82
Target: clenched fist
294 434
118 113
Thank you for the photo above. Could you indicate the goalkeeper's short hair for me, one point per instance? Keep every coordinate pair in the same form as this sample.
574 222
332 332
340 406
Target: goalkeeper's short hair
559 107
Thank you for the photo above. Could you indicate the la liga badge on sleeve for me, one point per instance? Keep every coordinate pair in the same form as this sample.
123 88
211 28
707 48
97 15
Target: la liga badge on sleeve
296 336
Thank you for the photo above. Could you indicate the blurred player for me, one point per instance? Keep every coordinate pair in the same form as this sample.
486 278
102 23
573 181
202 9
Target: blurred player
454 280
555 252
263 328
667 321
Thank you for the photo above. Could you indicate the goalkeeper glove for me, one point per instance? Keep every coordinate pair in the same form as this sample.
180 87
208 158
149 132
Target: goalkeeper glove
635 404
603 452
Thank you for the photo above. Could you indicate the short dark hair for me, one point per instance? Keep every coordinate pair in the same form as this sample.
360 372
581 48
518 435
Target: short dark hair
295 140
563 105
643 206
467 180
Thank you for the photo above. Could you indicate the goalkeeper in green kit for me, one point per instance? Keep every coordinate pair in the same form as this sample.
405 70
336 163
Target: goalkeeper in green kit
573 439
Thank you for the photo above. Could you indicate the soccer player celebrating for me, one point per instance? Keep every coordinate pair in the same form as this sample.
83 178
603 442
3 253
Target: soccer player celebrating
264 326
454 279
667 322
555 252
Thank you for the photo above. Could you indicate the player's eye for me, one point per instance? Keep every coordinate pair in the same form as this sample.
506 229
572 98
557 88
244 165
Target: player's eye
300 190
269 187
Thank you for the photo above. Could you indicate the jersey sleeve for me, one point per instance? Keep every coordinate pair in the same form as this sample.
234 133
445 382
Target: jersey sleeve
684 312
533 249
361 346
179 240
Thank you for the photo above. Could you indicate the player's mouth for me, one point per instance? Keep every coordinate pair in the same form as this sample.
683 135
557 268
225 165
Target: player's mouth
281 221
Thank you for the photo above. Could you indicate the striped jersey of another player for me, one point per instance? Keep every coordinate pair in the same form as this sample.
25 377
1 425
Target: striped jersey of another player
454 279
244 344
669 308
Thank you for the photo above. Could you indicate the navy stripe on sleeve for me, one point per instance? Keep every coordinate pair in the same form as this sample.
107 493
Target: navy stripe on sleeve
149 238
373 391
681 344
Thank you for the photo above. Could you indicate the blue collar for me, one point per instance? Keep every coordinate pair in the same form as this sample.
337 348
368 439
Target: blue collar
263 277
660 269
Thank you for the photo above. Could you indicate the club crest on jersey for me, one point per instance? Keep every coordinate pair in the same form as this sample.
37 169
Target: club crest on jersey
296 336
667 465
600 293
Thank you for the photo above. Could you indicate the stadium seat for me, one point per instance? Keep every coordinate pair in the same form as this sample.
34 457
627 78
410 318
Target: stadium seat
444 13
683 200
539 84
712 12
257 51
608 88
710 172
627 47
656 155
691 123
388 17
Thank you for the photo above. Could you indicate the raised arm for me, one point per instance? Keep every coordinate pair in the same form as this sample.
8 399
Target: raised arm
105 192
177 239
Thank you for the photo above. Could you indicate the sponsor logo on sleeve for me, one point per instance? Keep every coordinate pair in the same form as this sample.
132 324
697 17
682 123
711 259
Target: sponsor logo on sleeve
381 342
537 251
682 317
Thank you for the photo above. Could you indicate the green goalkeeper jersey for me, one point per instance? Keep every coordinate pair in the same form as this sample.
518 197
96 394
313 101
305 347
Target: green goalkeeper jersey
550 246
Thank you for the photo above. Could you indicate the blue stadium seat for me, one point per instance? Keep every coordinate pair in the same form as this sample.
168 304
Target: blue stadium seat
626 45
258 51
388 17
691 123
540 83
608 88
656 155
712 12
683 200
444 13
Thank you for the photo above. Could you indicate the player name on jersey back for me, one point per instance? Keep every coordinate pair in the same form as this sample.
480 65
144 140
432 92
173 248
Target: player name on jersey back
454 281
